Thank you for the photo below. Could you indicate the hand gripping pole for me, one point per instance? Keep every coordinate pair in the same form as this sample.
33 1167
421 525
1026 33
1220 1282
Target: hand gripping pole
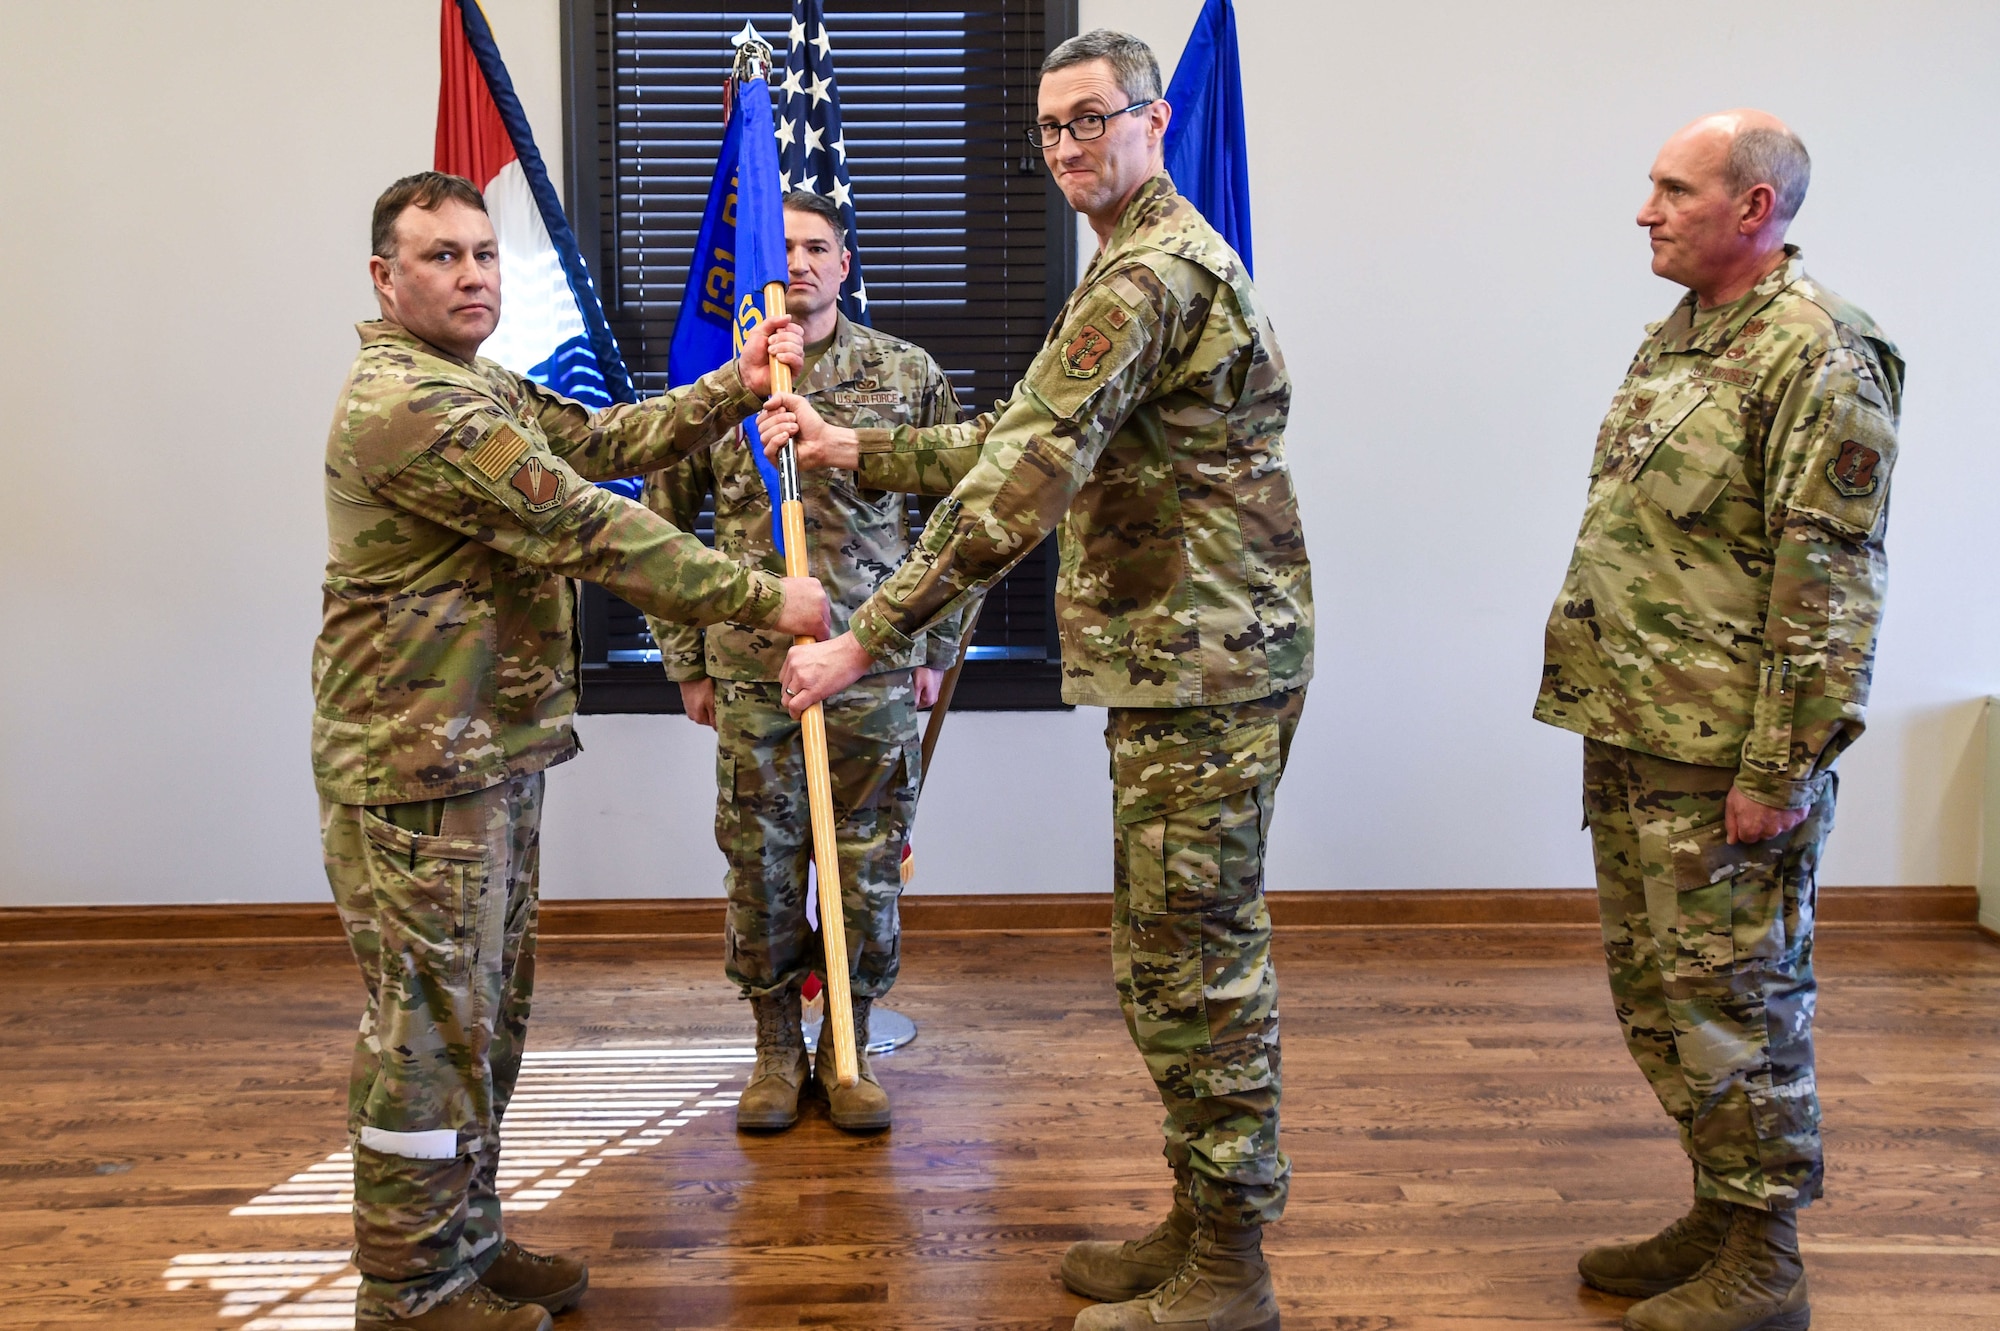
839 1023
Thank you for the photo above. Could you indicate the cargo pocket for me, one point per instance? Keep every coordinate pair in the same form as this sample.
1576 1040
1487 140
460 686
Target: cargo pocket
1688 465
1686 477
728 813
428 894
1730 916
1627 452
1190 828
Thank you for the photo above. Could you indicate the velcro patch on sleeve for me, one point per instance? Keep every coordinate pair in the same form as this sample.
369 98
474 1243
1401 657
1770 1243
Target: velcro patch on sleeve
1846 477
499 453
1100 340
1086 349
540 486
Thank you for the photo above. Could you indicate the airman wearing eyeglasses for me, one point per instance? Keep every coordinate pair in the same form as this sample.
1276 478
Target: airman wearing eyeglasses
1149 434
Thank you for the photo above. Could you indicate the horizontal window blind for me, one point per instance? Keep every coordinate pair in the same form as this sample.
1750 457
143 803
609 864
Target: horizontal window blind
953 208
952 204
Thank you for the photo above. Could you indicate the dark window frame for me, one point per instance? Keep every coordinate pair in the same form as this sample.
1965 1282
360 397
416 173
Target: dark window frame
986 684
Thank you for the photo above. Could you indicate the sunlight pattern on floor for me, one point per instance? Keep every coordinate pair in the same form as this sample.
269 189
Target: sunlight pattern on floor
573 1110
307 1291
569 1104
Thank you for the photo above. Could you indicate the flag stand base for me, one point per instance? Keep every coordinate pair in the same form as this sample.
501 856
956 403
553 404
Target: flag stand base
887 1030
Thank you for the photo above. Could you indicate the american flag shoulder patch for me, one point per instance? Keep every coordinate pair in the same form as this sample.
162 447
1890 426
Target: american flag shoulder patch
502 449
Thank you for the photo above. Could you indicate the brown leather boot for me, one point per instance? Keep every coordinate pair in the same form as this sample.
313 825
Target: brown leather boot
864 1106
1111 1272
474 1308
770 1103
1222 1285
546 1280
1755 1283
1665 1261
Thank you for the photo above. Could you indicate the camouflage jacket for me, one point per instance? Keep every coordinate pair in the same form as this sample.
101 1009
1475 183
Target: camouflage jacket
458 506
1722 602
855 535
1151 428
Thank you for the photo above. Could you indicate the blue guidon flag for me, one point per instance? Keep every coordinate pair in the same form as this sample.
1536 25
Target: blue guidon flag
739 250
811 146
552 328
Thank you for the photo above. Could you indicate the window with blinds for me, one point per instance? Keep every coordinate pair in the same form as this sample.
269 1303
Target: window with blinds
965 246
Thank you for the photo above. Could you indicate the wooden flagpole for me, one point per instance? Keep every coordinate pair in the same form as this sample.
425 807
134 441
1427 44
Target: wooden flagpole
819 779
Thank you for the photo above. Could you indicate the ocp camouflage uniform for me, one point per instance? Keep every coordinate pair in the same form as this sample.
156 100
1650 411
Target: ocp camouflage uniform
855 535
445 679
1149 433
1717 630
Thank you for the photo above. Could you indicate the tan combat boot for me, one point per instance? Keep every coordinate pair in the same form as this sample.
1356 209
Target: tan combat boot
1755 1283
770 1102
548 1281
1665 1261
1111 1272
864 1106
1222 1285
474 1308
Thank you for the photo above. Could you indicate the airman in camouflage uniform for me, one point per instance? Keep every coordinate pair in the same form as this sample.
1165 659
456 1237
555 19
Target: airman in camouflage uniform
1149 434
459 505
855 536
1713 643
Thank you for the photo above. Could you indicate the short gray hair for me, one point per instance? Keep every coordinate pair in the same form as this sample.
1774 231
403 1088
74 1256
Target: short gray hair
1773 157
1132 61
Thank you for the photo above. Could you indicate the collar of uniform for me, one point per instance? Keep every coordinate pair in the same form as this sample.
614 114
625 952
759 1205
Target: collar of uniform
840 363
381 332
1712 331
1153 199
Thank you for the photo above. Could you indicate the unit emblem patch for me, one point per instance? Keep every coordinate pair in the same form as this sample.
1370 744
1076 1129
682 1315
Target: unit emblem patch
1853 472
1085 350
538 485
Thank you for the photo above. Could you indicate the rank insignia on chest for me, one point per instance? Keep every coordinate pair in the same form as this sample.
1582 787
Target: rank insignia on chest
538 485
1084 351
1853 472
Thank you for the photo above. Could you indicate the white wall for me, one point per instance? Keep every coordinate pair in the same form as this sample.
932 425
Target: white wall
1443 195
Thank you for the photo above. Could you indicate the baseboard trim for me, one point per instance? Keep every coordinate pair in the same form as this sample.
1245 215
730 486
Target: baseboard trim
1027 912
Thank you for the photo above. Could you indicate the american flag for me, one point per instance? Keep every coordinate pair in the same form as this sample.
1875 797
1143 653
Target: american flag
812 154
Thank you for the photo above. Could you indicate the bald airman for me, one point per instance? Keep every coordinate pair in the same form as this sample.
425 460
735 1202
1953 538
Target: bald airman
1713 643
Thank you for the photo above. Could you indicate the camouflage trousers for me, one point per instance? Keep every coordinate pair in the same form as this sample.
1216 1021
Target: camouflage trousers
1194 789
764 828
439 900
1710 953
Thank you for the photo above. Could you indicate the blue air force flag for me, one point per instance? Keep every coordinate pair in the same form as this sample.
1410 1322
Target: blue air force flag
812 147
1205 149
739 248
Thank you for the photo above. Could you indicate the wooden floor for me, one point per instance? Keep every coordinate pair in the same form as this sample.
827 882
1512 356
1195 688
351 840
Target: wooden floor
1460 1113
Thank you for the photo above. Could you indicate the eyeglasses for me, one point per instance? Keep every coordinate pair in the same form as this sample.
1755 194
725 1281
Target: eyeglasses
1082 129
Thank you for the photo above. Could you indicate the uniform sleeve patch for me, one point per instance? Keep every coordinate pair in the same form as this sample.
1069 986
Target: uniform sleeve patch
1084 352
540 486
1852 470
502 449
1845 480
